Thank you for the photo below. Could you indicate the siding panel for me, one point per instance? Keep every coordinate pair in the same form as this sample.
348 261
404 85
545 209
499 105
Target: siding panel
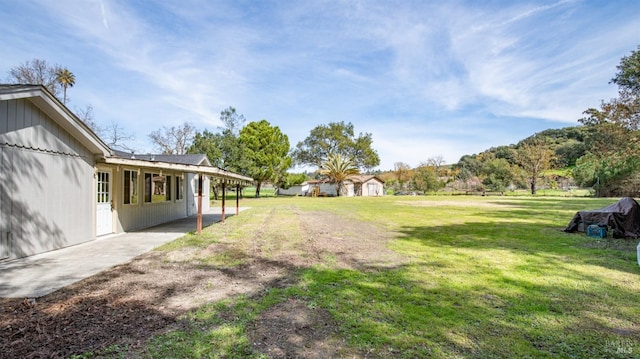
23 124
51 208
144 215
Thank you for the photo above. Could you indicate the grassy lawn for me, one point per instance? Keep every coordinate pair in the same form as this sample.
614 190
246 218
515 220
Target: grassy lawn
485 277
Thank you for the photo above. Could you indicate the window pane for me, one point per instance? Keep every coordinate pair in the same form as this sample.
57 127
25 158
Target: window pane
134 187
168 188
159 188
179 188
127 187
147 187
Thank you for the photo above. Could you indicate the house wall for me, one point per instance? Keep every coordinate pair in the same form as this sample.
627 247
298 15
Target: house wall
192 194
349 189
295 190
140 215
328 189
372 188
46 183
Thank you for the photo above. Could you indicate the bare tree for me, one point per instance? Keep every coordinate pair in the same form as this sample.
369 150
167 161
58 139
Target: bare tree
436 161
534 156
113 134
174 140
37 72
86 115
116 137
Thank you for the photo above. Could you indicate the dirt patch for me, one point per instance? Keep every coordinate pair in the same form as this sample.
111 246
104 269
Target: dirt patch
293 330
128 304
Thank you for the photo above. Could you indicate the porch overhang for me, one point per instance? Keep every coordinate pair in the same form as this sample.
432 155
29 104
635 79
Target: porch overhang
219 174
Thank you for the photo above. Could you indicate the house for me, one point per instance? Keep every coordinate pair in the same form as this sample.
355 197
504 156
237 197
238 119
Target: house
364 185
355 185
61 185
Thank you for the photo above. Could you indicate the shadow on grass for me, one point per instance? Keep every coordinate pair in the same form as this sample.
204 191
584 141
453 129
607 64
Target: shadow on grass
481 313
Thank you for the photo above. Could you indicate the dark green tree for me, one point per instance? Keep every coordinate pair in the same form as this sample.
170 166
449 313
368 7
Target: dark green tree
499 174
425 178
223 148
210 144
612 159
336 138
266 149
628 76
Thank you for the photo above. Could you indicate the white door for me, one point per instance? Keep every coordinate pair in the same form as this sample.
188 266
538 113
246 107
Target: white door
372 189
104 213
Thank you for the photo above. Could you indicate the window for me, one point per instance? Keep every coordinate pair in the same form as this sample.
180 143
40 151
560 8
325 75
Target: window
168 188
130 187
147 188
156 188
179 188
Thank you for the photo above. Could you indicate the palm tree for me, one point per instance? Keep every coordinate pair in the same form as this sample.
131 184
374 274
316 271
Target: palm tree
66 79
338 169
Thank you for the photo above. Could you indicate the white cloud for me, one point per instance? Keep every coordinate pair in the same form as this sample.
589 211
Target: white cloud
446 71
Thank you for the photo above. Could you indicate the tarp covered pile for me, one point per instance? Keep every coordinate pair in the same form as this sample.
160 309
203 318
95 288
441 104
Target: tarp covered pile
622 217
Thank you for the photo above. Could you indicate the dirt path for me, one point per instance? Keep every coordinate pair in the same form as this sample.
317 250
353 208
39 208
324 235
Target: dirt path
128 304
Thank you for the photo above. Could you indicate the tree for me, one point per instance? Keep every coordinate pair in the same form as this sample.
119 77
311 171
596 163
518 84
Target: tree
86 115
209 144
231 120
336 138
612 158
499 173
628 76
116 137
401 173
470 163
36 72
534 156
426 178
174 140
338 168
292 179
223 148
66 79
266 149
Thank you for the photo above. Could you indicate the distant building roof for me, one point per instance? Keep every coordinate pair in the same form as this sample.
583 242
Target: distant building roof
364 178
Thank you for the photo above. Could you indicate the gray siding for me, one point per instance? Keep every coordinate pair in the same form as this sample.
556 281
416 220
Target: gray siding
46 183
132 217
192 194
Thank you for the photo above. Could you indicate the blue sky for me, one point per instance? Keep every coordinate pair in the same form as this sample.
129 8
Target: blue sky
426 78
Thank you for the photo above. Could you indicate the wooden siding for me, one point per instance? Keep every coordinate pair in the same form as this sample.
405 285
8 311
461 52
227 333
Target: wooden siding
46 183
132 217
24 125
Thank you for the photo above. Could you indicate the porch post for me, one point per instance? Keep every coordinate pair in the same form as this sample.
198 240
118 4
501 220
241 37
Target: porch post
199 221
224 197
237 199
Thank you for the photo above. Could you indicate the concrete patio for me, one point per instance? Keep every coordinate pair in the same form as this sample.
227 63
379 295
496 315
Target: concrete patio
38 275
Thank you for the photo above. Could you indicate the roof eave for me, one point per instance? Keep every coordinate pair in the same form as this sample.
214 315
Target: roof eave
49 104
205 170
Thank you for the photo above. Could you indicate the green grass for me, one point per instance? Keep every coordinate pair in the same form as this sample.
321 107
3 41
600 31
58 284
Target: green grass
487 277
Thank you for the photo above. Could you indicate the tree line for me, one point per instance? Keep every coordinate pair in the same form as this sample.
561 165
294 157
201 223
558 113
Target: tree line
262 151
